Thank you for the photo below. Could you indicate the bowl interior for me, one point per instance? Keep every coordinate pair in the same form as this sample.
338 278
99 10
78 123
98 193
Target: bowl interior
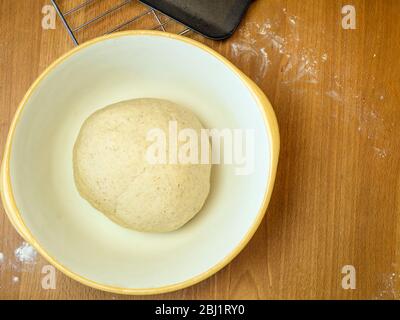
82 239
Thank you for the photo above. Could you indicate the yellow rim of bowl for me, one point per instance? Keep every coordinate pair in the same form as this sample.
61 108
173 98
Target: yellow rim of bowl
17 221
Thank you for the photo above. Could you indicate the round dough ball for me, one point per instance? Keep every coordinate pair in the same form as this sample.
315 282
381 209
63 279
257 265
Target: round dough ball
112 172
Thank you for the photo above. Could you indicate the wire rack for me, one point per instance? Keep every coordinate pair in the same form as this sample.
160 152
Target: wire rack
87 19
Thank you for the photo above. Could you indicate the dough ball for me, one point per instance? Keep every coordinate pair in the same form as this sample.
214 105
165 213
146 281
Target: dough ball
112 172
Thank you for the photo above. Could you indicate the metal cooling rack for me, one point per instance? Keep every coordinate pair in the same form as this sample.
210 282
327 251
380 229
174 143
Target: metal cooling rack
75 30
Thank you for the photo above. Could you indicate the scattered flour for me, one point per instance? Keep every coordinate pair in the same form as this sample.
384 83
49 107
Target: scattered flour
1 257
381 153
25 254
270 47
389 287
305 68
375 128
334 95
278 44
15 279
250 53
292 20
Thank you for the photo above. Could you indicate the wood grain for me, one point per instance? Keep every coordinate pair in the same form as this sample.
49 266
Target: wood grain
337 195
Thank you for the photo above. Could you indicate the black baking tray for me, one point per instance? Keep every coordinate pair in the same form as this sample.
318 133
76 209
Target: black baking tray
215 19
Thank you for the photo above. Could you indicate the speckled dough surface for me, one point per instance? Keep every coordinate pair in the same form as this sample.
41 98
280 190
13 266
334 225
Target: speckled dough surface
112 173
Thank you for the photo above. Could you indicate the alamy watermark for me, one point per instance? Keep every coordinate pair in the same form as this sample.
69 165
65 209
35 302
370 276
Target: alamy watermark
349 18
205 146
49 280
349 279
49 18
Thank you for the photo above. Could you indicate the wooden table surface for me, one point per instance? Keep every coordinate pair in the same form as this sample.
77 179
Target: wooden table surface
336 200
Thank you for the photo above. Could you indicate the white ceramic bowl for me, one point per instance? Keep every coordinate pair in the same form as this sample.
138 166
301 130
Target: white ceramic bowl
37 185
